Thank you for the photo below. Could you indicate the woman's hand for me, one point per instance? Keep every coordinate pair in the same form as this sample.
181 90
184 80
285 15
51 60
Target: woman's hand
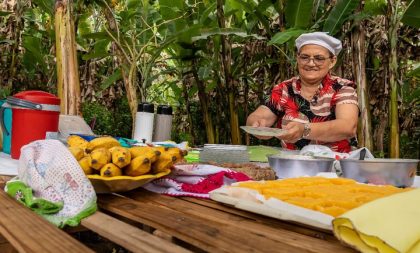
260 123
262 117
294 132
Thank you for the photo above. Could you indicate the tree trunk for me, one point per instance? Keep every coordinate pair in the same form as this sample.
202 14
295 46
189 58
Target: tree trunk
17 31
68 85
188 108
364 132
127 71
208 122
393 21
230 85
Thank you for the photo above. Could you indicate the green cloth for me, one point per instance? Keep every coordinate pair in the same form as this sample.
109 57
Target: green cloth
193 156
259 153
23 194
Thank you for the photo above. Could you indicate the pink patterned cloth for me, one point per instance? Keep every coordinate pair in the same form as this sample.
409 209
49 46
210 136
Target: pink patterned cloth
195 180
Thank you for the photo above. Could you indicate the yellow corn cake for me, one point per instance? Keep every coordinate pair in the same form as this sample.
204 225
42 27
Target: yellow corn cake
332 196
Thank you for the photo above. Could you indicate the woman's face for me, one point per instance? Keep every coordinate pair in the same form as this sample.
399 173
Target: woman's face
314 62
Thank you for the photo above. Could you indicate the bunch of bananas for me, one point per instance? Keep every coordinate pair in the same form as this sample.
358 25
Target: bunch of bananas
106 156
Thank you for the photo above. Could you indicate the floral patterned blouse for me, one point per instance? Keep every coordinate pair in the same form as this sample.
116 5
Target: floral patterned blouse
288 104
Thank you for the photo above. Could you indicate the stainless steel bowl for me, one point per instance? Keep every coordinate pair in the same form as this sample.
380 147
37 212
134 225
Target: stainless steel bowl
287 166
397 172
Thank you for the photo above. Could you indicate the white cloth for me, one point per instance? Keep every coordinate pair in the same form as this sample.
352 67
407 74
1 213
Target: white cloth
321 39
194 180
53 173
323 151
8 166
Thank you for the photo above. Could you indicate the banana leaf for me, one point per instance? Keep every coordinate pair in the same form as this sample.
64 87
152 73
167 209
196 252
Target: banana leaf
259 153
298 13
283 37
412 15
111 79
339 14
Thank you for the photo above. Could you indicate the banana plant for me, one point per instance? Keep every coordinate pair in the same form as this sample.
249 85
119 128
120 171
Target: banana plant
303 16
68 85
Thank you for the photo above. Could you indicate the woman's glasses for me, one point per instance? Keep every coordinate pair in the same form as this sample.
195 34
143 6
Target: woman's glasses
318 59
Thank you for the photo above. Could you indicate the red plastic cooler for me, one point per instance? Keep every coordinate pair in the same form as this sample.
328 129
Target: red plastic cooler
35 116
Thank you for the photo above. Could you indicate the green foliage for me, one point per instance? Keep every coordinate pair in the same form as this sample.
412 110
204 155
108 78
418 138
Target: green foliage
110 80
99 118
412 14
410 143
117 122
166 40
298 13
415 72
5 92
45 5
339 14
283 37
122 118
375 7
5 13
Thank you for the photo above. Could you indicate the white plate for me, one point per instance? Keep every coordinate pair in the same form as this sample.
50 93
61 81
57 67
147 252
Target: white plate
264 131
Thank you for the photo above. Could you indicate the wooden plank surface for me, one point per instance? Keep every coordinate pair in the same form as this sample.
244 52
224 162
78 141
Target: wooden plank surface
275 223
291 226
128 236
269 227
209 229
29 232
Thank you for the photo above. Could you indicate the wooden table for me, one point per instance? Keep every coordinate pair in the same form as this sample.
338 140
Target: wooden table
214 227
142 221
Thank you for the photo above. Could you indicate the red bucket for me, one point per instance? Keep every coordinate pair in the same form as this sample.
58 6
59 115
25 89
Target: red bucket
35 116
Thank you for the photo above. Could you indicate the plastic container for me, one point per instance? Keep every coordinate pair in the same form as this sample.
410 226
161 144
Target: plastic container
163 123
35 116
72 124
143 130
6 117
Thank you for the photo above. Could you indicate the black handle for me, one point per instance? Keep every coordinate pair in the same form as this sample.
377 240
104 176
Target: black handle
362 154
23 103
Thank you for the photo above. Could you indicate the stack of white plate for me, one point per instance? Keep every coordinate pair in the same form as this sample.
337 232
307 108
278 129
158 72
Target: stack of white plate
221 153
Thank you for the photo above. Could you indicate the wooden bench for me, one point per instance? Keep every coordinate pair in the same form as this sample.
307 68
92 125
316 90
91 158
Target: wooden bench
22 230
28 232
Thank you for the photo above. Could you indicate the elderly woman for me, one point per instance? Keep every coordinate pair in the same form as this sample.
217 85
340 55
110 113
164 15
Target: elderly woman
314 107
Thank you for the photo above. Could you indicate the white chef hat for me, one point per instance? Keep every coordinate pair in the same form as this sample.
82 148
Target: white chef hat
321 39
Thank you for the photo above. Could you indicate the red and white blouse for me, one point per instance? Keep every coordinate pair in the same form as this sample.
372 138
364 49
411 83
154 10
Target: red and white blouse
288 104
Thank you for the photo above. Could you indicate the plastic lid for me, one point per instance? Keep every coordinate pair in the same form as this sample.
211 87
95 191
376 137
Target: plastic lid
164 109
37 96
146 107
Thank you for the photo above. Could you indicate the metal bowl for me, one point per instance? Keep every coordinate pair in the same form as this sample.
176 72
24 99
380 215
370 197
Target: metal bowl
287 166
397 172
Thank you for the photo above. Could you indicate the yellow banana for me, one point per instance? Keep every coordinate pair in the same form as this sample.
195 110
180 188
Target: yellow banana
178 153
120 156
151 152
99 157
139 166
77 141
85 164
161 149
165 161
102 142
110 170
77 152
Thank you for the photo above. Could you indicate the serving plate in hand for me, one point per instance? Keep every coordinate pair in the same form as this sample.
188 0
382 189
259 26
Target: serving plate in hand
264 131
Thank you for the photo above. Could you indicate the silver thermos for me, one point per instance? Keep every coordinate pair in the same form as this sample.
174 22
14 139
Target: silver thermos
143 131
163 123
